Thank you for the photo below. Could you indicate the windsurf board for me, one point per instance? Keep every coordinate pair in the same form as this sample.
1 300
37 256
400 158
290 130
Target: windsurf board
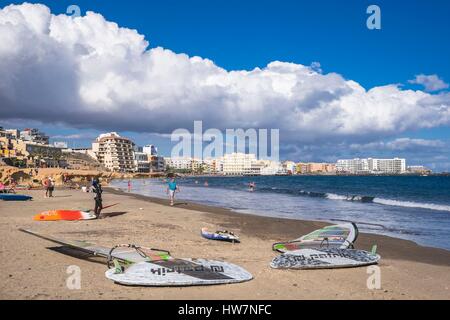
180 272
14 197
324 259
219 235
69 215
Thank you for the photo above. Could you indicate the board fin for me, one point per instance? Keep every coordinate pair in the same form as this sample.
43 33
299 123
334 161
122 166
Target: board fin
374 249
117 267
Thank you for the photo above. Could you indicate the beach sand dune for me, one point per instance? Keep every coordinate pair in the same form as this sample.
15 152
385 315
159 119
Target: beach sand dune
33 268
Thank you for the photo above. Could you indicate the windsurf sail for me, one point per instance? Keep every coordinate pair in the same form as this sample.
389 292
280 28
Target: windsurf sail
135 265
126 254
335 236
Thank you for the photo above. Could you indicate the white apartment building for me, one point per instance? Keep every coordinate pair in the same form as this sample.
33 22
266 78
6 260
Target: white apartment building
236 164
180 163
418 170
10 133
212 165
157 164
353 165
150 149
116 153
272 169
142 162
35 136
371 165
60 144
395 165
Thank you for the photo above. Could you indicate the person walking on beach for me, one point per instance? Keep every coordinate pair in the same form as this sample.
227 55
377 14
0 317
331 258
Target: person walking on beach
97 187
46 184
171 189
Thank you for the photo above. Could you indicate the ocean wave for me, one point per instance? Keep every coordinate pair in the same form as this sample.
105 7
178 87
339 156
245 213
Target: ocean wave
333 196
411 204
315 194
354 198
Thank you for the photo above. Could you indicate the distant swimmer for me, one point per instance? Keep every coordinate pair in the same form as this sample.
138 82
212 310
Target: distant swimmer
252 186
129 185
206 184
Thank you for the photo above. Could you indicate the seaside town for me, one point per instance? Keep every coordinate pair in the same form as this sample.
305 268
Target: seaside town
31 148
228 158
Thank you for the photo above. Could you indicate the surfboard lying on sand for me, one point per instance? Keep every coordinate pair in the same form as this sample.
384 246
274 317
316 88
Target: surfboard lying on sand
324 258
335 236
219 235
14 197
154 267
70 215
180 272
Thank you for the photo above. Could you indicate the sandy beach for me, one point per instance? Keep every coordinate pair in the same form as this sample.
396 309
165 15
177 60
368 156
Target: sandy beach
32 271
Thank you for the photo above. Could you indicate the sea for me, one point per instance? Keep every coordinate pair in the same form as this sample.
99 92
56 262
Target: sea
415 208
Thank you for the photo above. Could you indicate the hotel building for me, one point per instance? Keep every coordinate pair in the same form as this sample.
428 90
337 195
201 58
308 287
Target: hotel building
237 164
371 165
114 152
179 163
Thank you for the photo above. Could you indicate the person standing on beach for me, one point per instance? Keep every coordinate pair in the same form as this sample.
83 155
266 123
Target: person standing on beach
171 189
51 187
129 185
12 185
98 197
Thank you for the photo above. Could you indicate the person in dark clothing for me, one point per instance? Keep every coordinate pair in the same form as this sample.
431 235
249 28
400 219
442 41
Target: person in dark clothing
98 197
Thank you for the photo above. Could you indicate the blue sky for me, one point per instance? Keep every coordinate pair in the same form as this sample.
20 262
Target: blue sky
242 35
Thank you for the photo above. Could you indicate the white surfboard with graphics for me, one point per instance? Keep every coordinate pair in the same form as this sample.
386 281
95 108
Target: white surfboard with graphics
179 272
324 258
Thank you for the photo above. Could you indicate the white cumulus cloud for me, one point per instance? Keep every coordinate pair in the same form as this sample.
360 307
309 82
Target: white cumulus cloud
430 82
87 72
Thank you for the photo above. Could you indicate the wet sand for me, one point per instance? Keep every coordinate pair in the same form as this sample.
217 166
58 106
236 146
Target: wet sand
32 269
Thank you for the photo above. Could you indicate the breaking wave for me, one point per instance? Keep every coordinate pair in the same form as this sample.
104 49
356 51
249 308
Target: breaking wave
359 198
411 204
